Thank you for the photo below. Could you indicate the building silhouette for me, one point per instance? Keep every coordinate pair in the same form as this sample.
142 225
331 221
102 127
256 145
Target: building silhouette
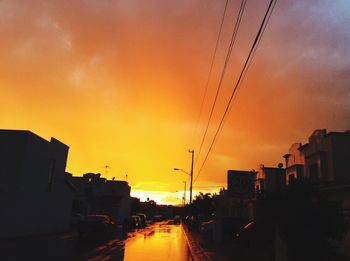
97 195
35 197
324 161
295 163
269 179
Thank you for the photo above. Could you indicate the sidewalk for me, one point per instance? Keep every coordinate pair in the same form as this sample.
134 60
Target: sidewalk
205 249
53 247
197 252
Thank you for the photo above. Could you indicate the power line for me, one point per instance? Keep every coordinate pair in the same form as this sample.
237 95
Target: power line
245 72
211 67
242 74
228 55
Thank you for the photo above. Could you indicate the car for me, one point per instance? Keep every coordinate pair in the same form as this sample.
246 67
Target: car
255 235
246 233
138 221
76 219
177 219
157 218
207 227
142 217
98 226
230 226
132 222
104 219
188 220
129 224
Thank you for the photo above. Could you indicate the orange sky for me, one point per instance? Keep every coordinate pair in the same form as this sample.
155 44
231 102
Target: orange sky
121 83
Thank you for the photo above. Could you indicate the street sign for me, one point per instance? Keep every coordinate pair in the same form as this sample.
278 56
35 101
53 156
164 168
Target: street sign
241 183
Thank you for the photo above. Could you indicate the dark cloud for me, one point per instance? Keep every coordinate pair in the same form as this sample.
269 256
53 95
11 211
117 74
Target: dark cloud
151 59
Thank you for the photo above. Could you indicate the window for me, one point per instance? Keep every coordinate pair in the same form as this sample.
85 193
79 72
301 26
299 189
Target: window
291 178
52 163
313 172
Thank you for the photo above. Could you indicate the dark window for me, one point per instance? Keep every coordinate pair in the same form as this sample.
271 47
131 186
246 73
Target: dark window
313 172
291 178
51 172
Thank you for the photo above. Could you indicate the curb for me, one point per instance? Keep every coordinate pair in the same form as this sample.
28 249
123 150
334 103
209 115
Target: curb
196 250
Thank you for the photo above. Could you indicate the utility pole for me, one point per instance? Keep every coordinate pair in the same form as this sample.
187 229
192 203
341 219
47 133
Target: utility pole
184 194
190 174
192 152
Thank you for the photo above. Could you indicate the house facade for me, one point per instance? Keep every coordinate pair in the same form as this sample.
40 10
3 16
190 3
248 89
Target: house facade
324 161
269 179
295 163
97 195
327 156
35 197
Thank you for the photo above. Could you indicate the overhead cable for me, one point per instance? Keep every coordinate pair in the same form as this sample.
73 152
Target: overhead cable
228 55
242 74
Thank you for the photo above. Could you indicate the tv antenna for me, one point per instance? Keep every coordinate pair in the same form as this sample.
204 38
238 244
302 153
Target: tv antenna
107 168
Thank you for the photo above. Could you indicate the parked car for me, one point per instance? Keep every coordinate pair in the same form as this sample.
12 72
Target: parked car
138 221
230 226
158 218
255 235
246 233
207 228
188 220
143 219
132 222
129 223
76 219
177 219
96 226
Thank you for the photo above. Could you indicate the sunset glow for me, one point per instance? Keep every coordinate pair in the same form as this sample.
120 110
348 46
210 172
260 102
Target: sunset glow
122 82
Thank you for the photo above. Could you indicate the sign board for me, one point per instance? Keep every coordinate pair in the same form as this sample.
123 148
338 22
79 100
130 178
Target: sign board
241 183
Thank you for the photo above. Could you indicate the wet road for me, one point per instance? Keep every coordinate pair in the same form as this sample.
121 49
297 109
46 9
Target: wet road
160 241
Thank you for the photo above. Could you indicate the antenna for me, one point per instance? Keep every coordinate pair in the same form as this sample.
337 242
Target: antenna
106 167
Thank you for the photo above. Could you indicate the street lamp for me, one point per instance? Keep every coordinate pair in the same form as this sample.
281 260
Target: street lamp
190 174
184 171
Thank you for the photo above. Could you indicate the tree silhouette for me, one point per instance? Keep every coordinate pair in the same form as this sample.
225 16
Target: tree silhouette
203 204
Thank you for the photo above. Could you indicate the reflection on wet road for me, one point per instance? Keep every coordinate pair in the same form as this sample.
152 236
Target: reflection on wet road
159 242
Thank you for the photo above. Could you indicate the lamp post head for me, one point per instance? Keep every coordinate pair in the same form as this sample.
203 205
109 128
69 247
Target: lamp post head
176 169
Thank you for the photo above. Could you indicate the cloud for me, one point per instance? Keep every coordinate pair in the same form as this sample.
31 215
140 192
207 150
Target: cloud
150 185
123 81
